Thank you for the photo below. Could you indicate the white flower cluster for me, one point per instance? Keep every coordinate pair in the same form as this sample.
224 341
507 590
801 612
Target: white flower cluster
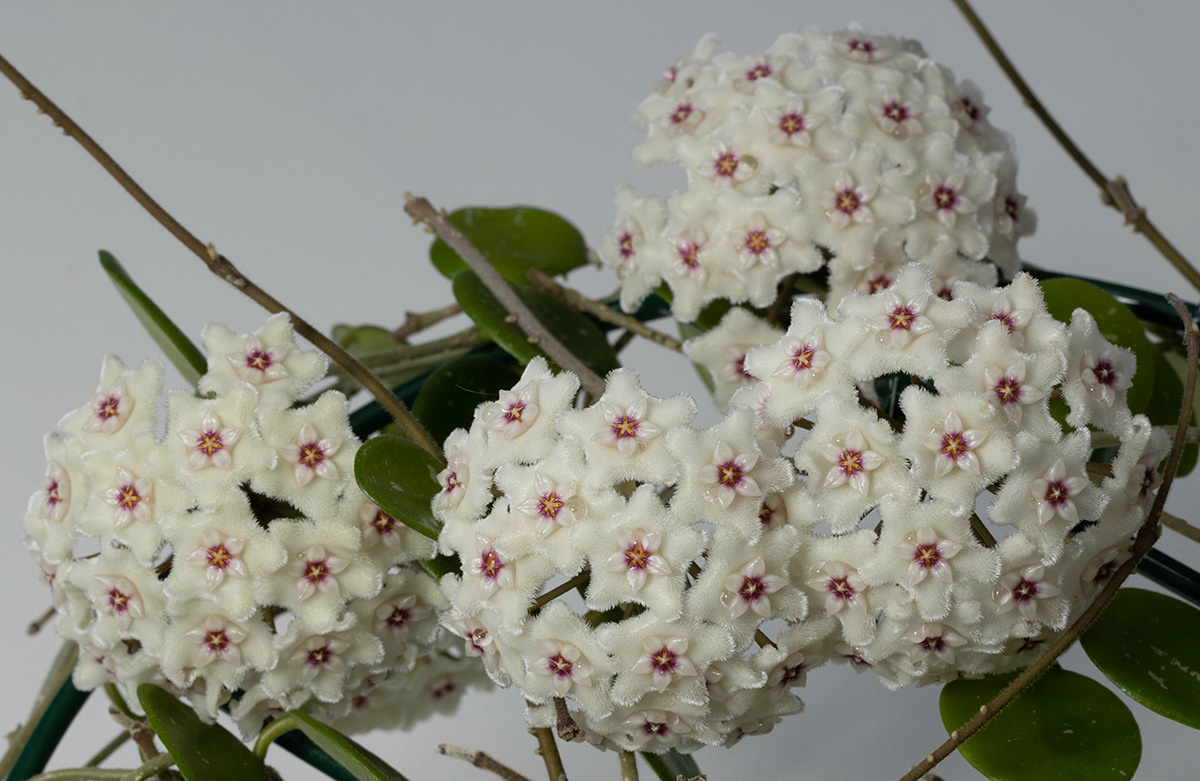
716 567
850 147
235 556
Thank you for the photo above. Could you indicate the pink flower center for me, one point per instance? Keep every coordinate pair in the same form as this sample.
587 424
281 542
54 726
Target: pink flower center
766 515
760 71
895 111
1006 318
1025 590
128 497
398 618
218 556
216 641
625 245
850 462
312 454
383 523
756 242
945 197
927 555
53 497
955 445
656 728
452 482
739 369
689 254
969 108
840 588
625 427
881 282
1057 493
259 359
637 556
1008 390
792 674
901 317
753 589
802 357
663 661
316 571
319 657
933 644
490 564
514 411
549 505
1012 208
118 601
847 201
559 665
209 442
681 113
860 45
726 164
729 474
792 123
107 407
1104 371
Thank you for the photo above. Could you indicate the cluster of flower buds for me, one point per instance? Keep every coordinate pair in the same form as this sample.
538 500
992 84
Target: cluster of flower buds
672 586
234 560
847 147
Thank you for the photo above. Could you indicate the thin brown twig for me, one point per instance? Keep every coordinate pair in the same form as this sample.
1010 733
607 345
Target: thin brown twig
1145 539
36 625
548 750
1181 526
1113 192
481 760
423 212
219 264
545 283
559 590
415 322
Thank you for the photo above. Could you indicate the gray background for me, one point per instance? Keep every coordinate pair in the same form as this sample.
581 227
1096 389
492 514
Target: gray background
287 135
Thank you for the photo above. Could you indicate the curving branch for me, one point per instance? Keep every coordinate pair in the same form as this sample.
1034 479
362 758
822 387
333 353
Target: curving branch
1114 192
220 265
1145 539
423 212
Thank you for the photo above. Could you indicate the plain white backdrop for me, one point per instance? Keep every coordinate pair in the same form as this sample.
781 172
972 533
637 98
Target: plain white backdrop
288 136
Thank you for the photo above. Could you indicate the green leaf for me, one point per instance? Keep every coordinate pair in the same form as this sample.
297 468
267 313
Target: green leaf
1163 409
449 397
364 765
366 340
401 478
1065 726
671 765
576 332
514 240
179 350
1148 644
1116 324
202 751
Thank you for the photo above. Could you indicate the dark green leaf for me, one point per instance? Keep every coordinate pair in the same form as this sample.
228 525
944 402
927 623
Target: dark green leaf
364 765
1148 644
450 395
576 332
1116 324
202 751
51 727
1163 409
671 765
1064 727
179 350
401 478
514 240
363 341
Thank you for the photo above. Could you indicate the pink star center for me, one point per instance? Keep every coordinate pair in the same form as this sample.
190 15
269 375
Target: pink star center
452 482
752 589
729 474
901 317
315 571
1057 493
927 555
209 442
559 665
689 254
1104 371
53 497
107 407
398 618
725 164
791 123
490 564
625 427
258 359
756 242
840 588
945 197
637 557
549 505
759 71
216 641
118 601
895 111
319 657
312 454
681 113
802 357
514 412
663 661
850 462
218 556
847 201
383 523
1008 390
128 497
860 45
1025 591
625 245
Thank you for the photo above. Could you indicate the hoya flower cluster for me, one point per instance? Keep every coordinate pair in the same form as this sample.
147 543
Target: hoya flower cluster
234 556
847 147
673 586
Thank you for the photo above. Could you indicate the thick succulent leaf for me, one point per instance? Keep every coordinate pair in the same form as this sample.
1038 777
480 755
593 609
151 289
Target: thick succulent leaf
672 765
1116 324
1148 644
449 397
1064 727
180 351
576 332
361 763
401 478
201 751
514 240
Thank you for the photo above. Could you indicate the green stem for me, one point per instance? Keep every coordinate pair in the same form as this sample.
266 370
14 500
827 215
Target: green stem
272 731
156 765
114 695
109 748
